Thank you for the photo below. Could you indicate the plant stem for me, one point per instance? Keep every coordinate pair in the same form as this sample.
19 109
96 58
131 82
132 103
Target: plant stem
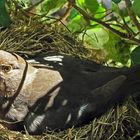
131 14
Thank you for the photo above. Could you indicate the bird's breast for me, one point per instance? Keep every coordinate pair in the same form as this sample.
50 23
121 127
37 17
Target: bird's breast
41 84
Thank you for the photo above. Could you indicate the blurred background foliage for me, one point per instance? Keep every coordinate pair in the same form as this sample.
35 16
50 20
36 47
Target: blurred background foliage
111 26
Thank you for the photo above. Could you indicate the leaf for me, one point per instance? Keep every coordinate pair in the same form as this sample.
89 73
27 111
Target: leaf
120 9
77 24
116 1
135 56
136 7
92 5
110 47
52 5
73 14
101 12
95 38
4 15
117 49
80 2
115 8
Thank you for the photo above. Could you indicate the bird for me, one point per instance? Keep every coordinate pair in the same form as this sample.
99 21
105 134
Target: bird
57 91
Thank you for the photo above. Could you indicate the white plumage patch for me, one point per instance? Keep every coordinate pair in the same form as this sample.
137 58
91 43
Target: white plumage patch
57 58
52 98
37 120
68 119
64 102
81 110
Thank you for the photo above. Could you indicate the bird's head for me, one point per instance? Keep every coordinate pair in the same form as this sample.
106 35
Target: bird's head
11 72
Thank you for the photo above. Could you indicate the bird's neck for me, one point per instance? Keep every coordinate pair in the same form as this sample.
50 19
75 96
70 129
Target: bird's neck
30 76
39 82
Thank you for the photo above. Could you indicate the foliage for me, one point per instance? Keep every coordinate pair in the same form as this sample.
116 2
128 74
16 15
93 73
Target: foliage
110 26
4 16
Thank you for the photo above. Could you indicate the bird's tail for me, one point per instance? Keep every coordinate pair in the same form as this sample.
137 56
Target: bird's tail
133 78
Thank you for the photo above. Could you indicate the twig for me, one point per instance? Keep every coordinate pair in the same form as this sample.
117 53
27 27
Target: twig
131 14
66 14
127 28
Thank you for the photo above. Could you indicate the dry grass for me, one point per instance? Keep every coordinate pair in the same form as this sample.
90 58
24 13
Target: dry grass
28 37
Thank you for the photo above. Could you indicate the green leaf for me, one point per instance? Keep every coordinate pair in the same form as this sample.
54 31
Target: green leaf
4 15
135 56
117 49
110 47
136 7
80 2
120 9
77 24
52 5
116 1
92 5
101 12
73 14
115 8
95 38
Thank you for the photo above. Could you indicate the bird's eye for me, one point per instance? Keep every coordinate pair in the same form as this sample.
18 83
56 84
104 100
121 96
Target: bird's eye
6 68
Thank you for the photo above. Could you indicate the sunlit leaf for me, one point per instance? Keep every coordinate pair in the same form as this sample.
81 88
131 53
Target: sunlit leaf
110 47
115 8
80 2
77 24
117 50
101 12
51 5
95 38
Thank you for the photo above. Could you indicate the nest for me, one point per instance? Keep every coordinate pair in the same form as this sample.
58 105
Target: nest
29 37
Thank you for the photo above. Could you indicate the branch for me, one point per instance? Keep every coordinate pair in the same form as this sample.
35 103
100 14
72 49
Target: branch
88 17
127 28
131 14
67 12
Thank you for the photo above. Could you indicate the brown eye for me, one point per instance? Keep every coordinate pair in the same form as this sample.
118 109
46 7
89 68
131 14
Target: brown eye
6 68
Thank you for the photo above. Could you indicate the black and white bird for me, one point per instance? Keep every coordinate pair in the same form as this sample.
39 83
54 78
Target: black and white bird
60 92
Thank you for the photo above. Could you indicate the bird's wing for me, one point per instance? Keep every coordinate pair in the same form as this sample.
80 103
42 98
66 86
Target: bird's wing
108 95
97 105
110 87
60 62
